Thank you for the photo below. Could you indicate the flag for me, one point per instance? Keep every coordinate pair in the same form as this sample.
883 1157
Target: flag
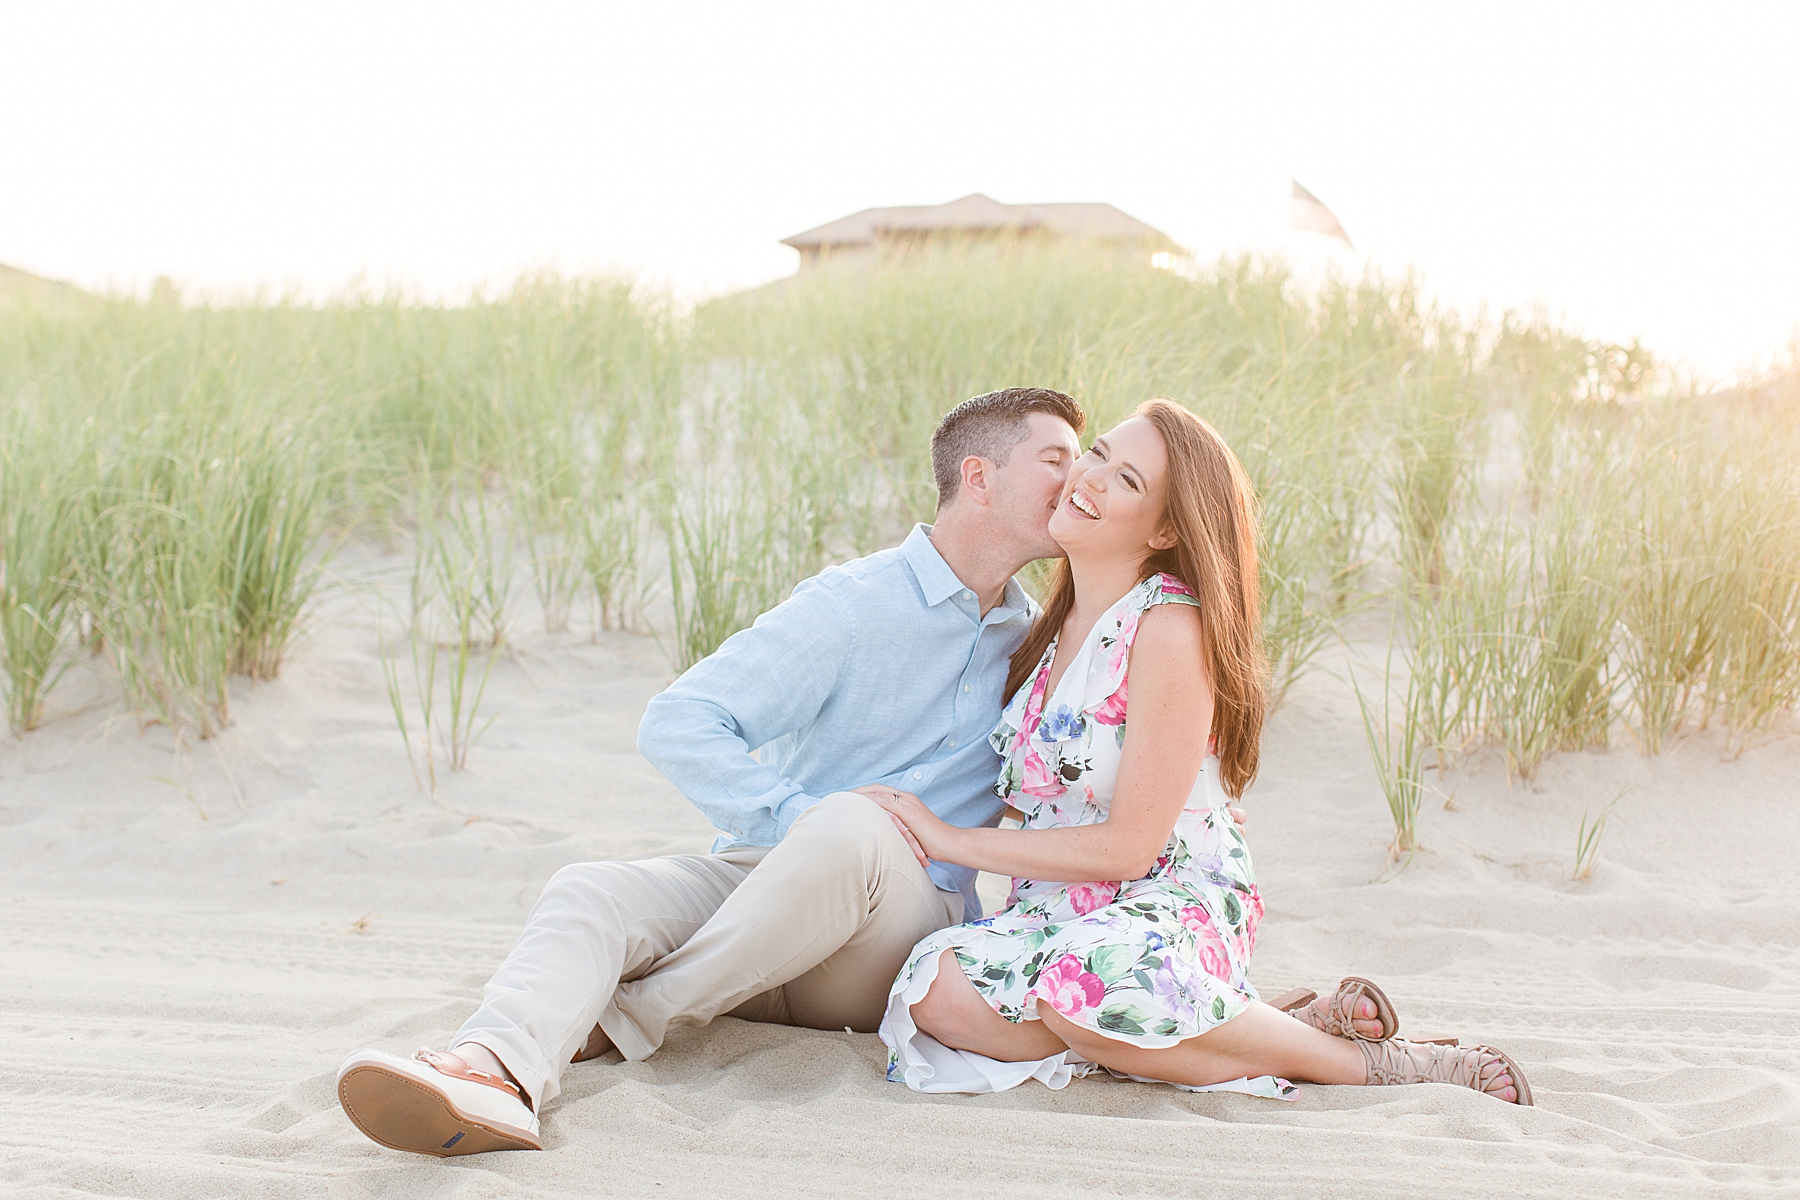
1312 215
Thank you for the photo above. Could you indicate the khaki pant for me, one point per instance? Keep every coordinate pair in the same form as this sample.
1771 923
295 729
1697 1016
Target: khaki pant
809 933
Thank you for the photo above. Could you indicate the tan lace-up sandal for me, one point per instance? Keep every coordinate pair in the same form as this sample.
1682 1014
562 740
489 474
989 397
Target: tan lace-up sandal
1333 1014
1399 1061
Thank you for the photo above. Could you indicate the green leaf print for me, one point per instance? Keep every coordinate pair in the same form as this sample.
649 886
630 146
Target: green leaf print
1143 981
1122 1018
1032 941
1219 1008
1167 1027
1119 733
1111 963
1234 912
967 960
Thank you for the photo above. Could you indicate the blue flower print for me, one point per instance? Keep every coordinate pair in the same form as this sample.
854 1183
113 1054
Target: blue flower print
1064 725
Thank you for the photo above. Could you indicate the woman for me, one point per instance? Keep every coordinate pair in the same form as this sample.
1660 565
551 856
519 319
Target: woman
1127 939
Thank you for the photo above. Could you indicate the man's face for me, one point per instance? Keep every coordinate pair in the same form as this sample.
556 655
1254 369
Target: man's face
1030 486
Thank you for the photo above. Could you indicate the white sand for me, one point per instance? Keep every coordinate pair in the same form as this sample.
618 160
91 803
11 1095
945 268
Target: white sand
178 989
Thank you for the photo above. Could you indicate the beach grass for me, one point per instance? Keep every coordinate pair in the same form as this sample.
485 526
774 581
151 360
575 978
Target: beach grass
1575 542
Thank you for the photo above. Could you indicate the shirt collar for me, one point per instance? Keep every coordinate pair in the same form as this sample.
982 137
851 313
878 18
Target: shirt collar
939 582
935 577
1013 602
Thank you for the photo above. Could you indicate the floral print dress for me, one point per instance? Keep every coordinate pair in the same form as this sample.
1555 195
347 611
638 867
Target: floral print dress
1148 961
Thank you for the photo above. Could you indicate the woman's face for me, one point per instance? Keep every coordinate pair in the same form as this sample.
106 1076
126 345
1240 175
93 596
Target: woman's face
1113 501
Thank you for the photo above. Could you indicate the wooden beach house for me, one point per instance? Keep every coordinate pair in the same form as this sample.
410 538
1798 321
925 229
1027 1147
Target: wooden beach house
877 234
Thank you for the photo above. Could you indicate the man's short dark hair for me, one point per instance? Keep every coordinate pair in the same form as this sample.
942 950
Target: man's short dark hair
991 426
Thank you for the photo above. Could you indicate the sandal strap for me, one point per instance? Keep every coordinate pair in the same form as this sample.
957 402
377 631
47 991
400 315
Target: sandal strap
1400 1062
1336 1016
455 1066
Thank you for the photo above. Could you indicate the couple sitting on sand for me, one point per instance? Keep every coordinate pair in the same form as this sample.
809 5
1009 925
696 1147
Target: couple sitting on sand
847 747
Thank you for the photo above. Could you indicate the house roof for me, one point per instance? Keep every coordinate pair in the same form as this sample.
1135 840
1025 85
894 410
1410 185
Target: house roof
978 212
18 286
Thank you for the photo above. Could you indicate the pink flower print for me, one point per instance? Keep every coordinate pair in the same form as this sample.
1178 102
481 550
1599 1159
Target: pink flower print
1068 988
1121 647
1037 779
1034 703
1113 711
1196 921
1086 897
1172 586
1213 957
1253 911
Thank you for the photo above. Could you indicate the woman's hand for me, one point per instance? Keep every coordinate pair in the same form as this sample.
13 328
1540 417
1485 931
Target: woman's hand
929 835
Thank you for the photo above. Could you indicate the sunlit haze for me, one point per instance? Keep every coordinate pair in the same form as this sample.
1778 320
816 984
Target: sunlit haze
1629 166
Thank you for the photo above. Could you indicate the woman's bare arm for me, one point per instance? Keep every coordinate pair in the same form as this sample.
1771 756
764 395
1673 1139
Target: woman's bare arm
1168 719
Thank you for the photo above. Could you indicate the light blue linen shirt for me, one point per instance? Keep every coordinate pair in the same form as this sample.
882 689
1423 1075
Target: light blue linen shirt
882 670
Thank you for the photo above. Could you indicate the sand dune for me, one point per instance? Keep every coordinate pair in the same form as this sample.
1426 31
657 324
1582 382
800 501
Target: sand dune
195 938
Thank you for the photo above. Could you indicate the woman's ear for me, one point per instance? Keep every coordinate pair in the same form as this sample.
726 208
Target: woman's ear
1165 539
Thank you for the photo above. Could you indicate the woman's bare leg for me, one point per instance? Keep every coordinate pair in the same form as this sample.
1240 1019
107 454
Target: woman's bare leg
1258 1041
954 1013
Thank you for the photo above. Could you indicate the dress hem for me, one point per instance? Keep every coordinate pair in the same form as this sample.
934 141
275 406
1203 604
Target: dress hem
920 1066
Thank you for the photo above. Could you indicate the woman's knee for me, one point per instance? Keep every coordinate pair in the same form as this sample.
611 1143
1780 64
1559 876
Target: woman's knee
950 1010
1095 1047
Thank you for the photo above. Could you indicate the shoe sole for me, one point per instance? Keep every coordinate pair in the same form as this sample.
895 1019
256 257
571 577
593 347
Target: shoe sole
404 1114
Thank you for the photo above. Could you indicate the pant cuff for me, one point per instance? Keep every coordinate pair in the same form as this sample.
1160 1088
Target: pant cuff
627 1038
522 1058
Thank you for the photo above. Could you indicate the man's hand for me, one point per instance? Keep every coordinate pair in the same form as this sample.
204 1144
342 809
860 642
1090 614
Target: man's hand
1237 814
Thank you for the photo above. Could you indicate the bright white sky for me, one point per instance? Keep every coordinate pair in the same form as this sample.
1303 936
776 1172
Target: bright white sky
1632 166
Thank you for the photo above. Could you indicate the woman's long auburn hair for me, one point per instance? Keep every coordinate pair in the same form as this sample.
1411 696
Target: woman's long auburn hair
1211 510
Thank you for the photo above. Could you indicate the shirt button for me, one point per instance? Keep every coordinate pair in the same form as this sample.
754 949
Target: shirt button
968 595
965 687
918 774
953 743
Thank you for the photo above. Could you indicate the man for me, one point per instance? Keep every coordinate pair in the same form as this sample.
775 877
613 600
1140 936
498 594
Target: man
886 670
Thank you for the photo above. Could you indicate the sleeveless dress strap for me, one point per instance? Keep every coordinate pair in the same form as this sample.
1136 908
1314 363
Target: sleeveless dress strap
1104 695
1169 590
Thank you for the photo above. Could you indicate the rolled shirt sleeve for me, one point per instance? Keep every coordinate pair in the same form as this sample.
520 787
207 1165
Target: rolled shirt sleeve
763 683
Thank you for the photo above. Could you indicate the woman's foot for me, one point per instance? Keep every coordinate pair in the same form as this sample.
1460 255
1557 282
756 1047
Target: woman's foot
435 1103
1358 1010
1487 1070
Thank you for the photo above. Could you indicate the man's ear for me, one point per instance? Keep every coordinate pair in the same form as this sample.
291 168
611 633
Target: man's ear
976 481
